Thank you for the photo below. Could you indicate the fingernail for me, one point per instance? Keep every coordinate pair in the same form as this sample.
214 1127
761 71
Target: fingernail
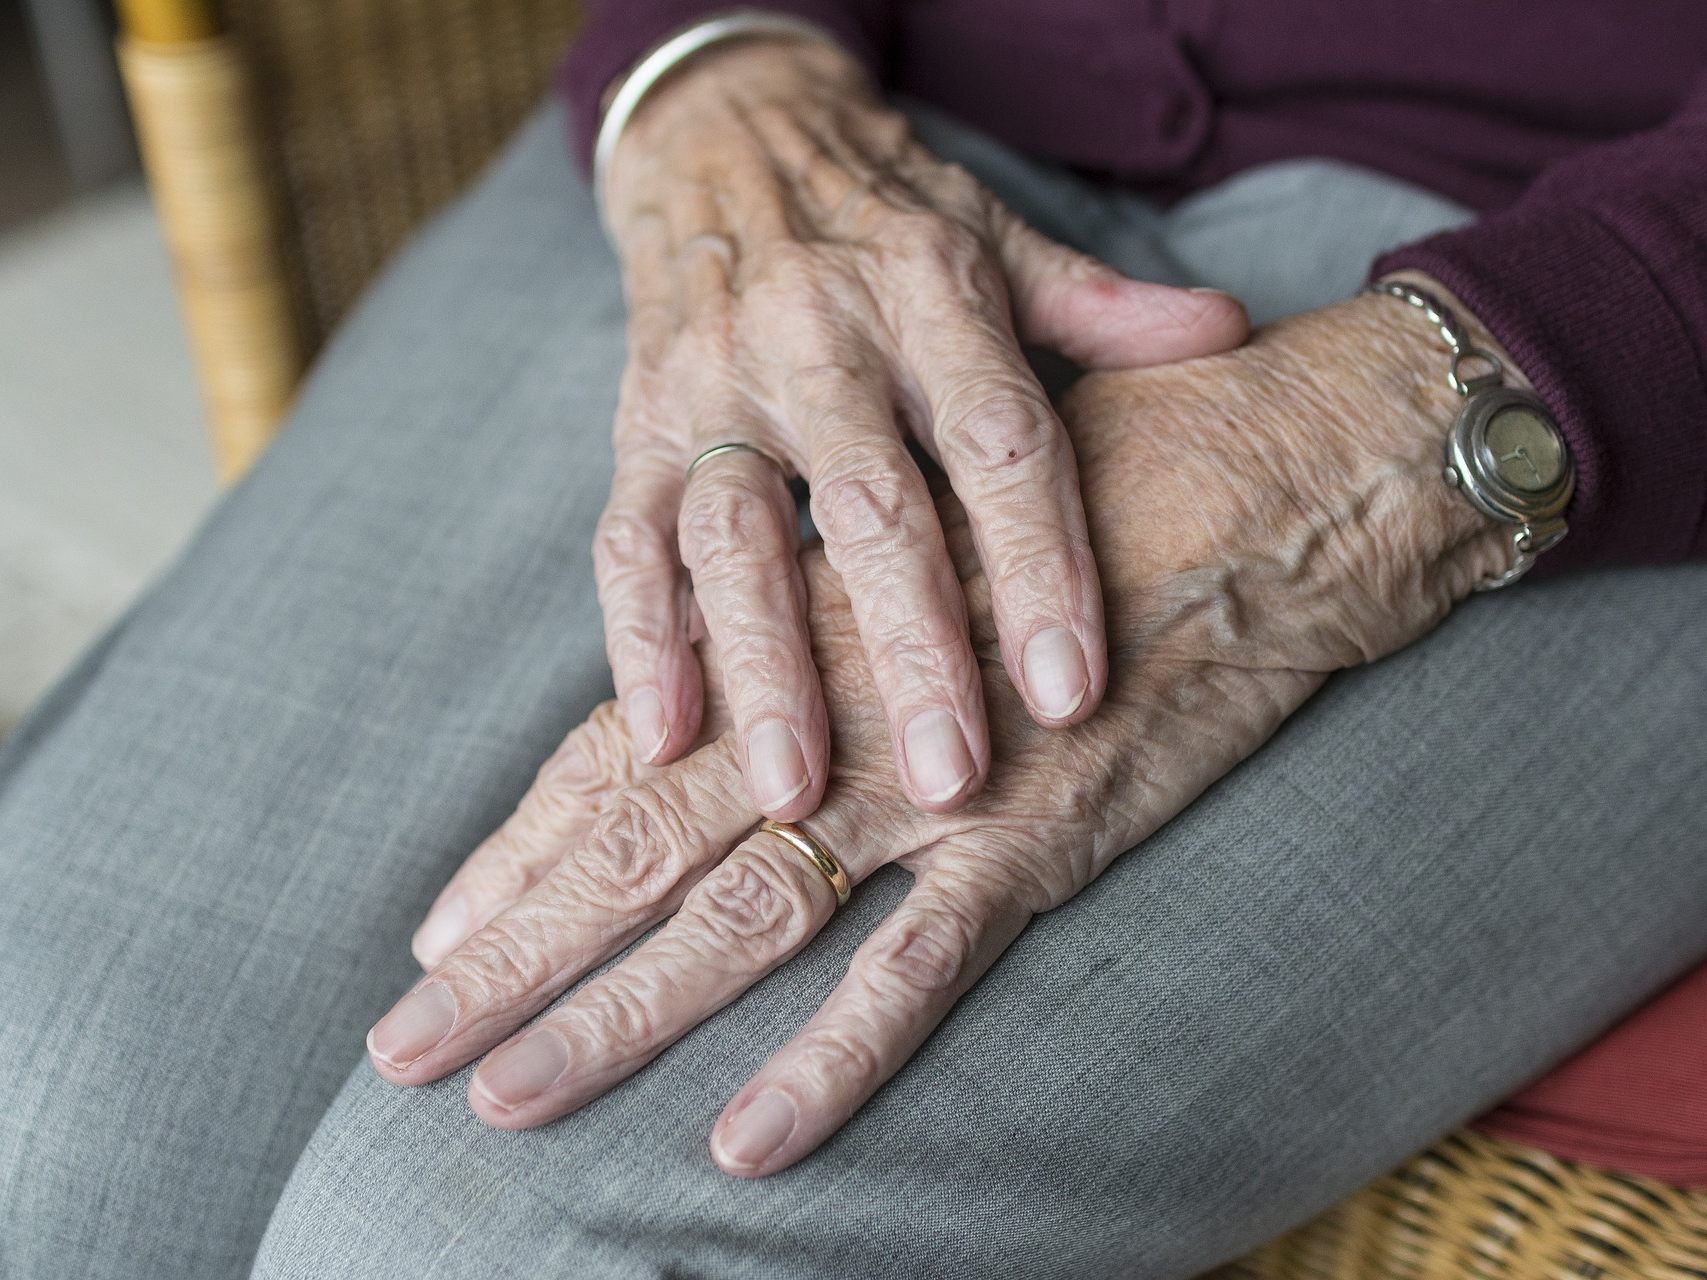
1219 293
937 758
445 926
754 1133
775 764
418 1022
644 711
1055 672
514 1074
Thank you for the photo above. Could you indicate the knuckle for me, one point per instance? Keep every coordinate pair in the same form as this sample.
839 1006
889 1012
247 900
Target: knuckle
956 183
924 647
1032 565
632 642
627 540
509 955
940 243
1066 263
634 854
716 249
506 865
892 136
567 778
592 761
759 655
620 1016
641 390
836 1056
730 513
603 740
837 381
791 272
706 345
547 814
758 663
926 955
868 509
1000 429
746 904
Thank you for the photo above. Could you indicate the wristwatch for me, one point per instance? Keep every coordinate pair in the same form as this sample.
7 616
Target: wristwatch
1506 453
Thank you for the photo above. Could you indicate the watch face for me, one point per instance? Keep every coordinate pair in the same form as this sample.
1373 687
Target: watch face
1523 449
1508 456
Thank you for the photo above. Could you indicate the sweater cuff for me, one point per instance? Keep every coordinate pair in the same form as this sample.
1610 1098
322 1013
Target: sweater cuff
1580 314
621 32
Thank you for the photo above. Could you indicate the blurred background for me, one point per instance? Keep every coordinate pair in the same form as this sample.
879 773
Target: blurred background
292 147
104 463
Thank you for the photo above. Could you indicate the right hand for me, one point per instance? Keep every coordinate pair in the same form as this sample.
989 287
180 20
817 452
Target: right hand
1266 517
805 277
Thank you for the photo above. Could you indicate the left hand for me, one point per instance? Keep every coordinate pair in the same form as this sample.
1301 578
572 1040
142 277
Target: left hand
805 278
1261 519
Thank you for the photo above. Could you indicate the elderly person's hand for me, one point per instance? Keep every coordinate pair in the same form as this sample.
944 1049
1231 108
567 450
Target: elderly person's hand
1261 519
805 278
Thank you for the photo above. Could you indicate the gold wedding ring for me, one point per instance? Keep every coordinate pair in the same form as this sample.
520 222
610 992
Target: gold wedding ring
731 446
820 857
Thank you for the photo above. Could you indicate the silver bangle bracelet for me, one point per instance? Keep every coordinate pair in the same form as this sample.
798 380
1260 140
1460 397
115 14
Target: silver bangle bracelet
670 55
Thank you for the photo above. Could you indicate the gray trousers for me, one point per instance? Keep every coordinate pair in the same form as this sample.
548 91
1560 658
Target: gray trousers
215 838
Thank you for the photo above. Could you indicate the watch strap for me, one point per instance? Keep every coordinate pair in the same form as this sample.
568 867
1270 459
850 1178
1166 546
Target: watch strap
1505 453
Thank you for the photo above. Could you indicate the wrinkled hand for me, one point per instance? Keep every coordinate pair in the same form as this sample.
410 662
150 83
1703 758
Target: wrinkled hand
805 277
1261 519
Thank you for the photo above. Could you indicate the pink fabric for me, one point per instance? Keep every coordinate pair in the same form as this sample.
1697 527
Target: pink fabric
1635 1100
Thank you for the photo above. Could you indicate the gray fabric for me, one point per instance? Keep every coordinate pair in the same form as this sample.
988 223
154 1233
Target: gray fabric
216 837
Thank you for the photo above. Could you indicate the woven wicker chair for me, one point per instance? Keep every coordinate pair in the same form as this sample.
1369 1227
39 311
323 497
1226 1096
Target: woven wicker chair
292 145
1475 1208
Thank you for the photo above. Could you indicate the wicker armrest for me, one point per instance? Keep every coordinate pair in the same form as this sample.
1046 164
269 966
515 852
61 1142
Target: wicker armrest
294 144
1477 1208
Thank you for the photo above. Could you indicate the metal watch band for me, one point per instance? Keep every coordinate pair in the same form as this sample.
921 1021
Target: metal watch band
1505 453
650 70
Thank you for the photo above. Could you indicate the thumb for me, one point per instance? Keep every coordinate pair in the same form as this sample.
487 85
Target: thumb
1100 319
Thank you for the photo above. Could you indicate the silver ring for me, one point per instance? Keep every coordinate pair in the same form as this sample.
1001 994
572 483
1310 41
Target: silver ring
730 446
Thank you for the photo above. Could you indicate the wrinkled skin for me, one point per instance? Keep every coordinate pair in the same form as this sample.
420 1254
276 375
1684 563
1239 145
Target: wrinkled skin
1261 519
803 276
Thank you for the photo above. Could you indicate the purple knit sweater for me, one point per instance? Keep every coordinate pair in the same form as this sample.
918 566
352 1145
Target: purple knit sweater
1577 127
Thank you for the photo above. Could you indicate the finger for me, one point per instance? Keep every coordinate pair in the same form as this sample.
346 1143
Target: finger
881 534
636 863
643 593
900 986
751 914
1012 466
740 538
1100 319
593 764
